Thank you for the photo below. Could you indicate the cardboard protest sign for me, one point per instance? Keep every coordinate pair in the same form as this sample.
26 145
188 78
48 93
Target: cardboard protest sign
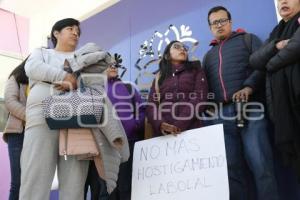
190 166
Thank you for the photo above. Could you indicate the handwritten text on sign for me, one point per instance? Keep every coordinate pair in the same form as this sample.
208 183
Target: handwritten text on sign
189 166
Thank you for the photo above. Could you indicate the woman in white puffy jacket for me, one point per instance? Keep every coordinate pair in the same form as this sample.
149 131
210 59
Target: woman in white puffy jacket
40 155
45 69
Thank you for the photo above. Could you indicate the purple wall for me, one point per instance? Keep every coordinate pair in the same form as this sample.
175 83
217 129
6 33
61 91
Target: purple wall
123 27
9 36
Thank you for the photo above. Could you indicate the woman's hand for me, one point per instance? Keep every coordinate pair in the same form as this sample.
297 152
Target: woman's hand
280 45
69 83
167 129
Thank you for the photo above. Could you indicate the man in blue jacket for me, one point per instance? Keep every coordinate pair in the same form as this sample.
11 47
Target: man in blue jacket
231 80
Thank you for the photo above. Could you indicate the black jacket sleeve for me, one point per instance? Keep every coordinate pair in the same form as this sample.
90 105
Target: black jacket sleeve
256 77
260 58
286 56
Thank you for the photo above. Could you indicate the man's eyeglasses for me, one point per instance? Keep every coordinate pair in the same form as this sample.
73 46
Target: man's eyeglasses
180 46
222 22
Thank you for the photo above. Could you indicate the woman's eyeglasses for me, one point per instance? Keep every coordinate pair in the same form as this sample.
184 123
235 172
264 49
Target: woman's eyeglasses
180 47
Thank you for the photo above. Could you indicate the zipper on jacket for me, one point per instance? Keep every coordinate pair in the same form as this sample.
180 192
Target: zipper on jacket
66 146
220 71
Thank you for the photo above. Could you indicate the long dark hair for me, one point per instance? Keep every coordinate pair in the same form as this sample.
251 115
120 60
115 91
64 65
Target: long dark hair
19 73
165 65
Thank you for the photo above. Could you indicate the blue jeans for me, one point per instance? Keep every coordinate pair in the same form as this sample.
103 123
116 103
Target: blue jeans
15 145
259 156
250 144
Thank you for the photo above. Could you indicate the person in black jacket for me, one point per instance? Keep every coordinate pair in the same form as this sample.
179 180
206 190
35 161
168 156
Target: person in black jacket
231 80
279 58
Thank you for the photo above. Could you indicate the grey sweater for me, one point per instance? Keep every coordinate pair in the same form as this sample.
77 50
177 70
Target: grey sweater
110 136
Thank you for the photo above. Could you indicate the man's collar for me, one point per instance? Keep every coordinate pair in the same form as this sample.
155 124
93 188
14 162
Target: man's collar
216 41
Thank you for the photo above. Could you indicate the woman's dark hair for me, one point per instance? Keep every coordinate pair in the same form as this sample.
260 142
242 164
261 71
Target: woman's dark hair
216 9
59 25
165 65
19 73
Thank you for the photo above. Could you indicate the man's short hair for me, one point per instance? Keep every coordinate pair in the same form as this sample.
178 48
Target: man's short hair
216 9
59 25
